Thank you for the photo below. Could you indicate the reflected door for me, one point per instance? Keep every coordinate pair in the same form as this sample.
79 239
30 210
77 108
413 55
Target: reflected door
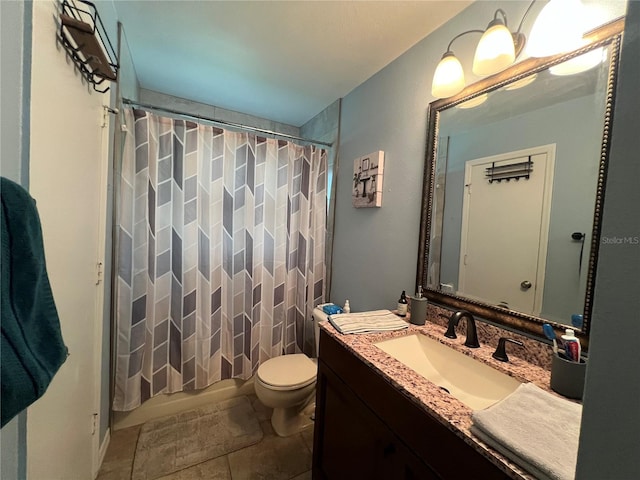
504 231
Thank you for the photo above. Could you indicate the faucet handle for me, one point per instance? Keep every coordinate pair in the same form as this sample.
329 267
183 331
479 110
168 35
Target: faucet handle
501 351
451 325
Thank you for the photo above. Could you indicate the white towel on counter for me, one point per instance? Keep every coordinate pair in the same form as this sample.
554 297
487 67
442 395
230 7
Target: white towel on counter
367 322
537 430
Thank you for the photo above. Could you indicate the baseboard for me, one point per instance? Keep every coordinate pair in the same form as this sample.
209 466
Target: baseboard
170 404
103 451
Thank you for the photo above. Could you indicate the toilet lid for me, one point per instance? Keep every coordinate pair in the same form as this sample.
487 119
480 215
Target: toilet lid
295 370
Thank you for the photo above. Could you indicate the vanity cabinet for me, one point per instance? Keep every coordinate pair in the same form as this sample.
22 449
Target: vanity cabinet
366 428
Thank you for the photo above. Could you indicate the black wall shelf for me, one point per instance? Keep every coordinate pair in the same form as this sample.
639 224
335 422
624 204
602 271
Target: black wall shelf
85 39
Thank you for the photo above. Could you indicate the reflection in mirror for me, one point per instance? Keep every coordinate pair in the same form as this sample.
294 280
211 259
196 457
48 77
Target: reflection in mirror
508 223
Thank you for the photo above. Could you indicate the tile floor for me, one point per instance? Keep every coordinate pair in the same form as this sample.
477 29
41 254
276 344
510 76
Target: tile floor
273 458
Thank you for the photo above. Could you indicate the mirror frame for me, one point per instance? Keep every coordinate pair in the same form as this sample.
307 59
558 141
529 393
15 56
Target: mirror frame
609 34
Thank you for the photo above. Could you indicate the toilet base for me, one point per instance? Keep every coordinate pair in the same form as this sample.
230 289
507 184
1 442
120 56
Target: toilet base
289 421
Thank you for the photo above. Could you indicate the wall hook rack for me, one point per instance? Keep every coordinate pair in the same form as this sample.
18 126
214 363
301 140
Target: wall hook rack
85 39
497 173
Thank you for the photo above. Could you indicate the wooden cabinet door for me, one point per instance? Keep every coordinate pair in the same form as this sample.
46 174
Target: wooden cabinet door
354 442
350 441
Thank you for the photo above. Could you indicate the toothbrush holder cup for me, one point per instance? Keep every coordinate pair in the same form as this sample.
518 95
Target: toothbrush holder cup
567 377
417 310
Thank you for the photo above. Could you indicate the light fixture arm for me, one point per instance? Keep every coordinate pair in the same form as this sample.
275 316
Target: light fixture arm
518 38
504 16
461 35
524 16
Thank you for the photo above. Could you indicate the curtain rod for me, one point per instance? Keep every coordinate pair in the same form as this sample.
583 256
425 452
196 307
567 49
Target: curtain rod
223 122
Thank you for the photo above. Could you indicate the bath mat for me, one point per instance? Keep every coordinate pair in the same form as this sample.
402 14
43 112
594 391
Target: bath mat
180 441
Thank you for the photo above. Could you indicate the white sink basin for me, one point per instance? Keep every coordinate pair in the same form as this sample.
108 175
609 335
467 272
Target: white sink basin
474 383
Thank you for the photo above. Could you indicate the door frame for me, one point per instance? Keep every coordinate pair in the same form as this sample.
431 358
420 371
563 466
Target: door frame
102 284
550 151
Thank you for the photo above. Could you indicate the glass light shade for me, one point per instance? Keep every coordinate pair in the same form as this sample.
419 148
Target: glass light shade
523 82
579 64
495 51
448 78
558 28
474 102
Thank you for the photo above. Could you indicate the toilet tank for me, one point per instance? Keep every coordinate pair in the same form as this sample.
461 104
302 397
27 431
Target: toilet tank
318 316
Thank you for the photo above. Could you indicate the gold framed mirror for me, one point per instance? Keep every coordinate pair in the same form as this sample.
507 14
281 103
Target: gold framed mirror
513 189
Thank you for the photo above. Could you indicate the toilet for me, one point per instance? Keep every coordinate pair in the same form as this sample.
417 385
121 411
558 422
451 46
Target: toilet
288 385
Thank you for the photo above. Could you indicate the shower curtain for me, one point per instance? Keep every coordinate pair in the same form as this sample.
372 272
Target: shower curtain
220 254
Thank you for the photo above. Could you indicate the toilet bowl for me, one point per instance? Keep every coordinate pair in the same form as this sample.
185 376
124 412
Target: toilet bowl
288 385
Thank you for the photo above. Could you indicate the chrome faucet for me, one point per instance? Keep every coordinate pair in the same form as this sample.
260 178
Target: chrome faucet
472 334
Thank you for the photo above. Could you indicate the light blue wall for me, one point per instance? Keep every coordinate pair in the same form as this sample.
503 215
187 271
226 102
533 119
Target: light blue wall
15 41
573 194
16 73
610 434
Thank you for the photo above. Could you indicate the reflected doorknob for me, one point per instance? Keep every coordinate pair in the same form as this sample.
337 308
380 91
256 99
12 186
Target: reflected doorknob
525 284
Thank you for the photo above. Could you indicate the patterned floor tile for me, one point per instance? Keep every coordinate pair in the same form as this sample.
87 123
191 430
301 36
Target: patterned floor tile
274 458
216 469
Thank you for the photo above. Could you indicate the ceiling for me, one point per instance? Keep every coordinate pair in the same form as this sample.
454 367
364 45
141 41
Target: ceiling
281 60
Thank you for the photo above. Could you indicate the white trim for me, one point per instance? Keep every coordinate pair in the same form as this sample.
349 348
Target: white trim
544 227
550 152
103 451
98 455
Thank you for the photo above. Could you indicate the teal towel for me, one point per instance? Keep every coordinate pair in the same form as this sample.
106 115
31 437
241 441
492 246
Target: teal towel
32 349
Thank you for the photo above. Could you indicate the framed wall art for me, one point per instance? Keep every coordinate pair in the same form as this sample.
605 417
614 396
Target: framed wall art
368 172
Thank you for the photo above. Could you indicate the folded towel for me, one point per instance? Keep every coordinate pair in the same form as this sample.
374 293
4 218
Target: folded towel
509 454
367 322
536 429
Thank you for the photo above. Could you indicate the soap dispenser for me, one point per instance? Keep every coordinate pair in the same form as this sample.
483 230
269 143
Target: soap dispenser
347 307
403 305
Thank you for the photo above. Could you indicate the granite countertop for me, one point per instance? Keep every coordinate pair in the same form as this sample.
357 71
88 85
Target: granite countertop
448 410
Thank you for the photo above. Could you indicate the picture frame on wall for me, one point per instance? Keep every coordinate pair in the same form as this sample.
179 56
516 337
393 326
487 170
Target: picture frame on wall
368 173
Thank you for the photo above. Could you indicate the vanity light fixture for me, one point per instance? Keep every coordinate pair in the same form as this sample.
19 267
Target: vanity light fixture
449 76
497 49
558 28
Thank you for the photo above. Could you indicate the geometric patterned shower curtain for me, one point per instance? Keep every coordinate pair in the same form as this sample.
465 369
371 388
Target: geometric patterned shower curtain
220 254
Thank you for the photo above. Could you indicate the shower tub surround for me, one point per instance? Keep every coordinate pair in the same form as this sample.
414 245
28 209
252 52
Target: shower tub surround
447 410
